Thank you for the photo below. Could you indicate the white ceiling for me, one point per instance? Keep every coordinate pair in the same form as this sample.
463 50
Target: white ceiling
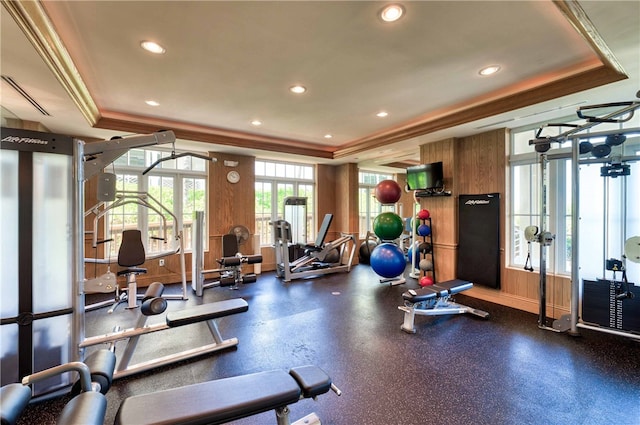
228 63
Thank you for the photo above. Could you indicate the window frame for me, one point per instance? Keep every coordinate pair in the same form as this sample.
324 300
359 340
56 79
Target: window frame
178 177
372 207
284 173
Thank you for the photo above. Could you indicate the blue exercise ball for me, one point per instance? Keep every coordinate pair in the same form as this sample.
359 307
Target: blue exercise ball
415 252
424 230
387 260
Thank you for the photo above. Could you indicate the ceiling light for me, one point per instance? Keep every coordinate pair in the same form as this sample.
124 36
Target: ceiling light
256 122
152 47
382 114
392 13
328 136
489 70
151 103
297 89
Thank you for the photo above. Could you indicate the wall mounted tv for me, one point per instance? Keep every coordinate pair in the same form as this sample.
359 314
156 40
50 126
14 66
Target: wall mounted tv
425 177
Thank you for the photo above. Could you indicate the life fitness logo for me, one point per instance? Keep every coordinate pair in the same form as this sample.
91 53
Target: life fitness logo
24 140
476 202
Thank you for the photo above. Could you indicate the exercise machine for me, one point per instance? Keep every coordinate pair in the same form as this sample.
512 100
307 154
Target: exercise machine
319 258
88 404
591 148
230 271
435 300
43 232
229 399
132 252
154 304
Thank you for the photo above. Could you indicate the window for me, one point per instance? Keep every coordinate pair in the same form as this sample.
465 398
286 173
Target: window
525 188
369 207
178 185
274 182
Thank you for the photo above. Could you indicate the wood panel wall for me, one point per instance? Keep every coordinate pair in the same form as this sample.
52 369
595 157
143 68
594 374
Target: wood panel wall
230 204
442 208
474 165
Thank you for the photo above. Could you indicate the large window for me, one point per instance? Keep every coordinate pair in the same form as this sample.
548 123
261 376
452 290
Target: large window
274 182
178 185
526 193
368 205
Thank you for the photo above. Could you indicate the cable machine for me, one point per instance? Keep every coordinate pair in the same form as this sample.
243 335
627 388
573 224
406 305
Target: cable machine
145 200
614 164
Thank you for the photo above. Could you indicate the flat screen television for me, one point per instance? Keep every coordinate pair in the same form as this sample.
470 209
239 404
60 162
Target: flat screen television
425 177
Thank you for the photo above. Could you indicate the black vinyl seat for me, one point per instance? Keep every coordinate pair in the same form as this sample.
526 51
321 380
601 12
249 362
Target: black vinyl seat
131 253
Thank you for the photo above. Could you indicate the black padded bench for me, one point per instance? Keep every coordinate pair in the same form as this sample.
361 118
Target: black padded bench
153 304
435 300
225 400
439 290
208 311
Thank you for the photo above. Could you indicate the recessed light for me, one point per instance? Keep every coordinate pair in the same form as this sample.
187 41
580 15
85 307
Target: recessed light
382 114
391 13
152 47
256 122
489 70
297 89
328 136
151 103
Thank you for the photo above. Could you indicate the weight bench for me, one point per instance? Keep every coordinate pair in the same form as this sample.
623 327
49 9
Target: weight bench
154 304
435 300
225 400
88 405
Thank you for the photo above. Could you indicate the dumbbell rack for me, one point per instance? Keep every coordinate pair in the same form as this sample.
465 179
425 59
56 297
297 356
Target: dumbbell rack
427 239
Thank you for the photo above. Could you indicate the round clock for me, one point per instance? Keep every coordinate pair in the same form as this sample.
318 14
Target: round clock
233 177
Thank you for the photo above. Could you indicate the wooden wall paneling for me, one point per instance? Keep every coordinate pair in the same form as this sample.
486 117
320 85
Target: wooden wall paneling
92 270
345 201
445 261
329 199
230 203
481 168
442 209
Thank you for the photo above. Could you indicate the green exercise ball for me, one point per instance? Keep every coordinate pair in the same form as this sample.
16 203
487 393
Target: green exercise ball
388 226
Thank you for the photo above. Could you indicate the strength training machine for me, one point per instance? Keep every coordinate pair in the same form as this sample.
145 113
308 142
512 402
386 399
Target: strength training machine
616 166
230 271
132 253
229 399
435 300
318 259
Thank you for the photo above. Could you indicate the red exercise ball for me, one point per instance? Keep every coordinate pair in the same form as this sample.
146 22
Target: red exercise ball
426 281
423 214
388 192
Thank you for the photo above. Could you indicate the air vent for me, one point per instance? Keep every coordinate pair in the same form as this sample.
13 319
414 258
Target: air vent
559 108
495 123
24 94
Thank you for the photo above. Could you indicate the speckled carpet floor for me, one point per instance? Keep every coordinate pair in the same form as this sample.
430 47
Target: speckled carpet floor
455 370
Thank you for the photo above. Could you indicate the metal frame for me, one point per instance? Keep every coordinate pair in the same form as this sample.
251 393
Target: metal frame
572 321
303 267
434 307
143 199
123 368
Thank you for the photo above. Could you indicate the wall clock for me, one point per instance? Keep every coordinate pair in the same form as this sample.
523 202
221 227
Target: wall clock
233 176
